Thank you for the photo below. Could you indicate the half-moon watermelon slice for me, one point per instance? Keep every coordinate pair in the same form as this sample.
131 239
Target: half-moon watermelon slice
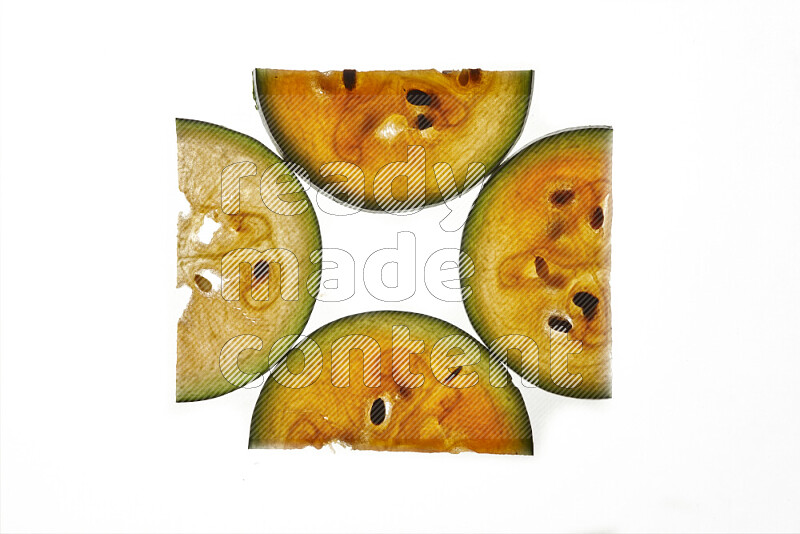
346 127
391 381
539 238
207 154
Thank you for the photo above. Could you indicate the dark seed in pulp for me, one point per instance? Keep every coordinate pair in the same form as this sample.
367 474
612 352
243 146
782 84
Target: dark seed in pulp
349 79
586 302
260 270
423 122
453 374
542 270
377 413
555 229
202 283
561 197
597 218
416 97
559 324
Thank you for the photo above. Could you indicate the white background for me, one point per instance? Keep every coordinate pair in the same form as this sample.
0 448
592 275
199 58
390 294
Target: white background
703 431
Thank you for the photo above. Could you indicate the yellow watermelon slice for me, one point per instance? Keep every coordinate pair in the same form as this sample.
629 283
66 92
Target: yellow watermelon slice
539 238
371 139
391 381
257 314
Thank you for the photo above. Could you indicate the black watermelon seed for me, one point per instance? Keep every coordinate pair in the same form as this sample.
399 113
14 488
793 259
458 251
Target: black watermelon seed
559 324
561 197
453 374
555 229
260 270
475 75
377 413
349 79
597 218
542 270
586 302
423 122
416 97
202 283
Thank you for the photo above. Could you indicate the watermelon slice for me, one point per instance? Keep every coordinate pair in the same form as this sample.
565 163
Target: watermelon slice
391 381
539 238
352 131
206 154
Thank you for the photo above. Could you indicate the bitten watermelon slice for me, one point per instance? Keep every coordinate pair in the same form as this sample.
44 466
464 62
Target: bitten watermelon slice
539 238
391 381
351 131
207 154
